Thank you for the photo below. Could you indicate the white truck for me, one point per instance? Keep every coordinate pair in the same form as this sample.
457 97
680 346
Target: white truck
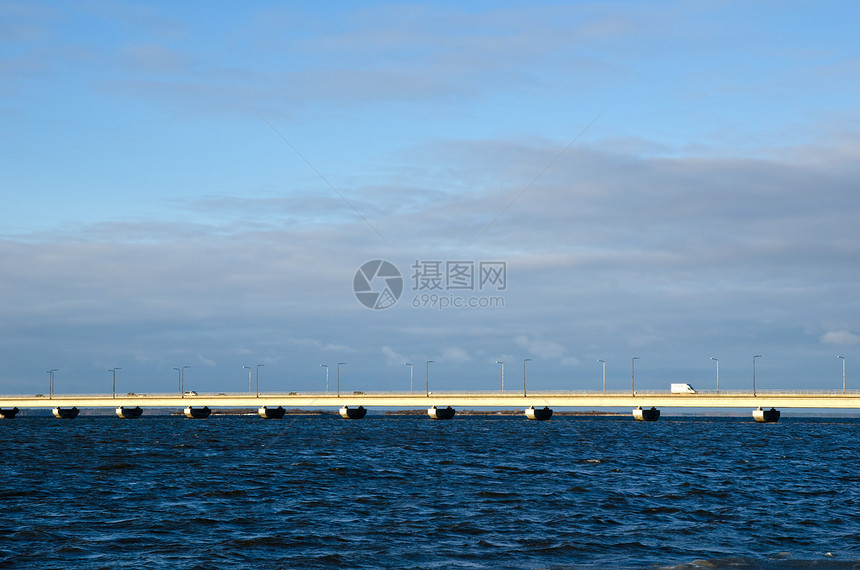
682 389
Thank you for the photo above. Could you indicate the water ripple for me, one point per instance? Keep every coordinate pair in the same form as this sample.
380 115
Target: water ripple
408 492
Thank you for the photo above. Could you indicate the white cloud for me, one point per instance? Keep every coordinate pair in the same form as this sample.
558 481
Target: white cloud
840 338
541 348
454 355
205 361
392 357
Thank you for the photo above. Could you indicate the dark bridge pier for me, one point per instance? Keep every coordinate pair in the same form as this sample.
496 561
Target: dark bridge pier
270 413
8 413
197 413
770 416
441 413
348 413
129 413
538 414
646 415
65 413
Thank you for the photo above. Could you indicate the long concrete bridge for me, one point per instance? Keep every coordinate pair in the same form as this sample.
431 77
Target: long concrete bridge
505 400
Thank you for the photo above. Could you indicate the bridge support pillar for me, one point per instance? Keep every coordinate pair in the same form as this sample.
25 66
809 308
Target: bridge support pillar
441 413
348 413
129 413
538 414
269 413
8 413
197 413
770 416
646 415
65 413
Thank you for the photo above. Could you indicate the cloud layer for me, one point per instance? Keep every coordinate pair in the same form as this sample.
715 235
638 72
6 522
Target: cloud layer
202 193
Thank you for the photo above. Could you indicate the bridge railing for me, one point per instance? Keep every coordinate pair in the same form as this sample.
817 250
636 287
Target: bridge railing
438 393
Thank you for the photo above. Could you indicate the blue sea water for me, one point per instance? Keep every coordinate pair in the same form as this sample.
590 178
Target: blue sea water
408 492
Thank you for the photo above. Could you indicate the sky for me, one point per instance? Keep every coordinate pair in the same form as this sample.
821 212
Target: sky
203 184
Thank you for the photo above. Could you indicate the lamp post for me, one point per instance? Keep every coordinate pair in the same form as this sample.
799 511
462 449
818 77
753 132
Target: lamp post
428 376
114 379
411 370
503 373
843 373
249 378
524 375
754 357
604 374
326 376
633 374
258 379
51 382
182 379
717 360
338 378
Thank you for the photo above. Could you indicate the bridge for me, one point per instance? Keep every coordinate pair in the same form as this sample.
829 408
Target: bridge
777 399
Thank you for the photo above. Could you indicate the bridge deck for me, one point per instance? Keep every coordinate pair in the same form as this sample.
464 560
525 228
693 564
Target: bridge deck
765 399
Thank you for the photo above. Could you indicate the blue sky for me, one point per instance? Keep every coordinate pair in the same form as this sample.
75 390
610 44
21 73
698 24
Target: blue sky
197 184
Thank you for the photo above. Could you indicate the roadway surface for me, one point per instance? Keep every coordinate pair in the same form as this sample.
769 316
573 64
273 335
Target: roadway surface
406 400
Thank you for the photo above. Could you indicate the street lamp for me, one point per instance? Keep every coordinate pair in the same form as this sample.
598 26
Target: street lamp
326 376
258 379
249 379
411 370
754 357
604 374
51 382
428 376
717 360
524 375
503 373
843 373
338 378
182 379
114 379
633 374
